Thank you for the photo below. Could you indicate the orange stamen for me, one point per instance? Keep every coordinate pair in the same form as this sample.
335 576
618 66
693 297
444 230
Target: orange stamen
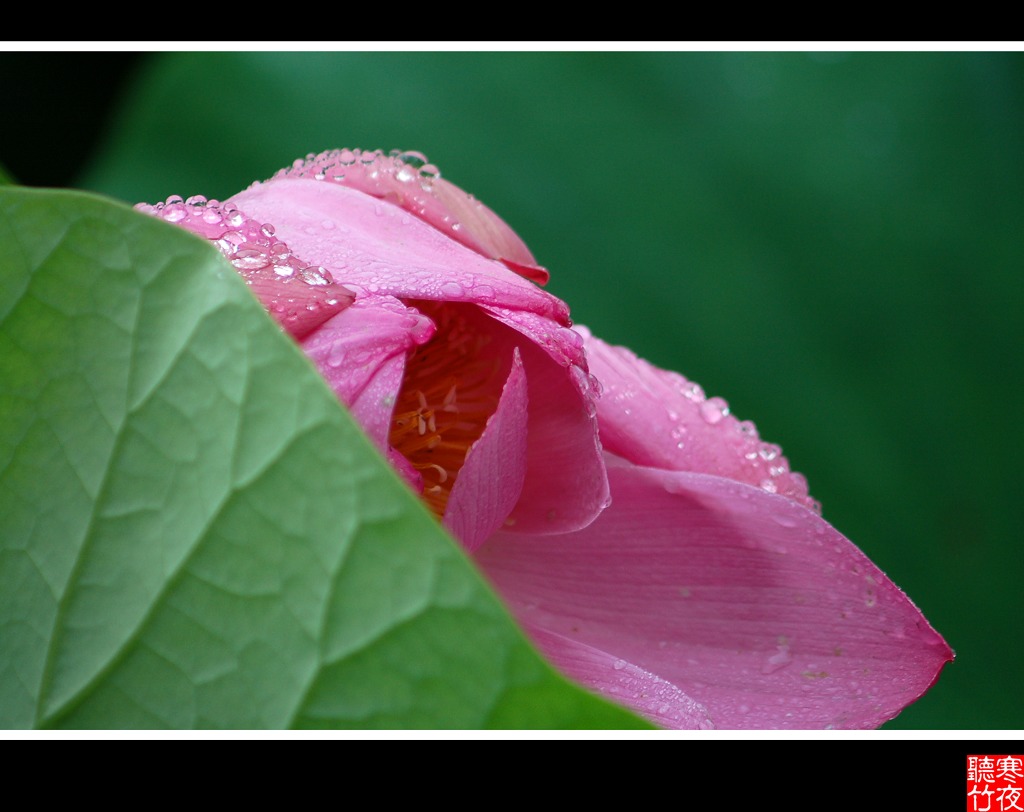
450 389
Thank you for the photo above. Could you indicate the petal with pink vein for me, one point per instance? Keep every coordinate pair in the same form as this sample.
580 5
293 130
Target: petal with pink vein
361 353
748 602
655 417
491 480
380 248
660 701
410 182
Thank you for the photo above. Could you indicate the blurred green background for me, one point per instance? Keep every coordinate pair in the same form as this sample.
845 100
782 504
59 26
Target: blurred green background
832 242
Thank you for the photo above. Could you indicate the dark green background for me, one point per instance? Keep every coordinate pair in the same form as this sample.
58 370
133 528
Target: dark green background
832 242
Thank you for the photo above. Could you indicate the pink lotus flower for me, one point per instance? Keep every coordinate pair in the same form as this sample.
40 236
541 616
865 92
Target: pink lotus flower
651 545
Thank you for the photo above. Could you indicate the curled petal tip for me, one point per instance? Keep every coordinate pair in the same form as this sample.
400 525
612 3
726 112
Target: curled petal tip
534 273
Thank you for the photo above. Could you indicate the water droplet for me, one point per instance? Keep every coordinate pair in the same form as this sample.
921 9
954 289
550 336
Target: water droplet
690 390
337 355
411 157
618 665
452 290
250 259
780 659
748 429
713 410
174 213
315 275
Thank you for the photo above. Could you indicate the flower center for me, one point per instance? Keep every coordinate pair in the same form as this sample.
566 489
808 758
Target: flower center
450 389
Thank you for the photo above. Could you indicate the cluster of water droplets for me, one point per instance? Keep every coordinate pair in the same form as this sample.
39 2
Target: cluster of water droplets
589 386
697 433
407 179
764 461
402 177
299 295
660 700
349 164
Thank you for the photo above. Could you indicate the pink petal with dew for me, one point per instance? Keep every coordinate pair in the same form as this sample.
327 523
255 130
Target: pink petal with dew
299 295
485 232
376 246
491 480
411 182
563 344
622 682
658 418
746 601
361 353
566 485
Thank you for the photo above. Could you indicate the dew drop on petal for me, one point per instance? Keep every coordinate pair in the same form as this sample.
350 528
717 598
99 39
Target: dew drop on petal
174 213
713 410
780 659
411 157
315 275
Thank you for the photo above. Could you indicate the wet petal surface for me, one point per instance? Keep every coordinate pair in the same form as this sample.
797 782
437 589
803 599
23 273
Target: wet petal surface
749 603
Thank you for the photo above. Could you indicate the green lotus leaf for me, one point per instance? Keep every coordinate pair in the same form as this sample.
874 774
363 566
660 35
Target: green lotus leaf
194 533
